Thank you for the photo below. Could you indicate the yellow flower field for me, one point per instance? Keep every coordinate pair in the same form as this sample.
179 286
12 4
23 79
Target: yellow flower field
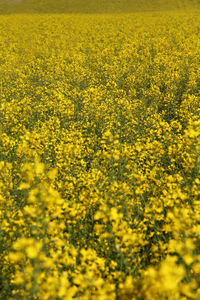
100 156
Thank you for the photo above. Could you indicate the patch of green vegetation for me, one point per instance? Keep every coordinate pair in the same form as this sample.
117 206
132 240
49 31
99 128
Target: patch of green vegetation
92 6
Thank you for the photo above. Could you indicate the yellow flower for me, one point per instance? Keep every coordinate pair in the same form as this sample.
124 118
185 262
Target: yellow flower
33 250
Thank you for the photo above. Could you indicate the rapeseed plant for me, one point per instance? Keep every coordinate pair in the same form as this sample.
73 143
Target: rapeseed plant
99 156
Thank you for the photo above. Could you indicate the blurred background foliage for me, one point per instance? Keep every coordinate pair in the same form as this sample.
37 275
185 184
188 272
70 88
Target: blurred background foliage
93 6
